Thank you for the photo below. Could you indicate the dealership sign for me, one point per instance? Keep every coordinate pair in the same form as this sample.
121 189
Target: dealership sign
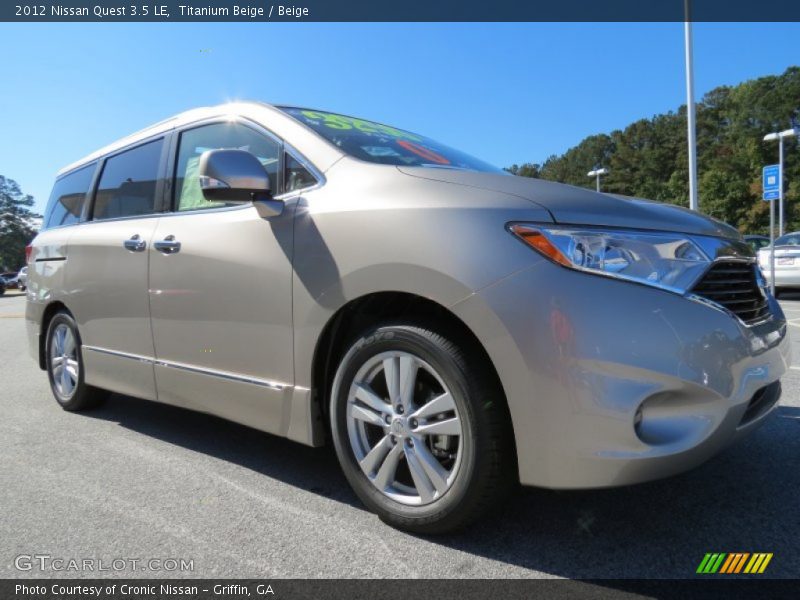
771 182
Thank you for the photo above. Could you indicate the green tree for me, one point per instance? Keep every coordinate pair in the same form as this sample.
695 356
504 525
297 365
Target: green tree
648 158
17 224
526 170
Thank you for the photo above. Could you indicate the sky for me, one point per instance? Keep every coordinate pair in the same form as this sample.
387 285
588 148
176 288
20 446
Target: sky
507 92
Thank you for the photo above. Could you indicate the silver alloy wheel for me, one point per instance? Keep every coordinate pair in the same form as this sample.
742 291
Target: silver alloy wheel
64 361
404 428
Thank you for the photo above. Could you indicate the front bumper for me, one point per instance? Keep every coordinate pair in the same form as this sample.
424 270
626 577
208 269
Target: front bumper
583 358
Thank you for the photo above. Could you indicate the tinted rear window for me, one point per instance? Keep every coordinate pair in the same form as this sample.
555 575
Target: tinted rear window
790 239
383 144
127 186
68 197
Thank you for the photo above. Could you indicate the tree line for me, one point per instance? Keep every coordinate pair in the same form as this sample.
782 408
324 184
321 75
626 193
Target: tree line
18 224
649 158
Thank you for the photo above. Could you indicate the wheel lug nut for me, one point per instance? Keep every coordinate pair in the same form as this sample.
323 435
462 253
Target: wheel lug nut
414 423
392 439
388 419
409 442
399 409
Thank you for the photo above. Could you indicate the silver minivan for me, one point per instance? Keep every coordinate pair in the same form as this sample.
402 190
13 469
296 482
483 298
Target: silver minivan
450 329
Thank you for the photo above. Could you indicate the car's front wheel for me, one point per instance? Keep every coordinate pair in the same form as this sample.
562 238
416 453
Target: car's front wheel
65 366
421 429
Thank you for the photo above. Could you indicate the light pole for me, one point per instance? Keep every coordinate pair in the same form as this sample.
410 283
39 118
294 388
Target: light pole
690 108
597 173
780 136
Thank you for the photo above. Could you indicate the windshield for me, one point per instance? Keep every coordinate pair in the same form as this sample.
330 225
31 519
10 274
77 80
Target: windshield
383 144
790 239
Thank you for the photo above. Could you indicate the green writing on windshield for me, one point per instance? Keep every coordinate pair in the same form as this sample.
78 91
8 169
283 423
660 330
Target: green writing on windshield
334 121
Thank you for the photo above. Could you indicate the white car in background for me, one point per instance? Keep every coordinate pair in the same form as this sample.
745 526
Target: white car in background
787 262
22 279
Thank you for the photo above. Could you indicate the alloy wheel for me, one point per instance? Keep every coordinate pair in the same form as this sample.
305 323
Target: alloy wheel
64 366
404 428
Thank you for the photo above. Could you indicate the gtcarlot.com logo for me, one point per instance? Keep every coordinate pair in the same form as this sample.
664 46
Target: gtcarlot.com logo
734 562
45 562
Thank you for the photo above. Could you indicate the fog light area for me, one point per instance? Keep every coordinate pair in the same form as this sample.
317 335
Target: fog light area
674 418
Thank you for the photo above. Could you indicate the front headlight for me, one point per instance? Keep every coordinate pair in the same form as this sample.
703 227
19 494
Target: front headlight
666 260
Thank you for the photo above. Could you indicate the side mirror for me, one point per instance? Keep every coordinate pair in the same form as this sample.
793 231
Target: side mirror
233 176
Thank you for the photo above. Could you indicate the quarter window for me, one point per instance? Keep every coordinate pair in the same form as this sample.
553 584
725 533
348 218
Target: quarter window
297 177
187 192
128 184
68 197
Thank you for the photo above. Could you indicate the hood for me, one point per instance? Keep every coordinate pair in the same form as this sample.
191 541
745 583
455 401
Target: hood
578 206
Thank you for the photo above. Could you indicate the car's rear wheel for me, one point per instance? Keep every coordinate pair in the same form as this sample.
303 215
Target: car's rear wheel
421 431
65 366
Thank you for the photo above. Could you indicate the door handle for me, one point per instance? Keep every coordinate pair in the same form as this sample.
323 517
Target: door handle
168 245
135 244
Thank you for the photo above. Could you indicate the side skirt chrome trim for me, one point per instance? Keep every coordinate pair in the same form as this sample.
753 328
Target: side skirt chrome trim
274 385
138 357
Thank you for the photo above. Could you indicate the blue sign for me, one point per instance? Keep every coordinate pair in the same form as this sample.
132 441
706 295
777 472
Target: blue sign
771 182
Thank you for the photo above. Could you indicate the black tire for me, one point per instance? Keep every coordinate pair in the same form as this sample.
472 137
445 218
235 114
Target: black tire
82 396
488 467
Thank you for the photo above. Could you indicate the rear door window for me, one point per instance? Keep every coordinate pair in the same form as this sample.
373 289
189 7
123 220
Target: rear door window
127 186
68 197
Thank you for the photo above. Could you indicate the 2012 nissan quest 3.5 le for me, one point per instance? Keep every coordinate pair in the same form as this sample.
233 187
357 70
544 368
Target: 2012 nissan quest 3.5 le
450 328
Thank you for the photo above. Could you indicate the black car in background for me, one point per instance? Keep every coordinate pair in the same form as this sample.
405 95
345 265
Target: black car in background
9 279
757 241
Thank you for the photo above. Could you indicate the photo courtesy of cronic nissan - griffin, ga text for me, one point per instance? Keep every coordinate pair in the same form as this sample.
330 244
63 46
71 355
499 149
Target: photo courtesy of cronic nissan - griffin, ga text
450 329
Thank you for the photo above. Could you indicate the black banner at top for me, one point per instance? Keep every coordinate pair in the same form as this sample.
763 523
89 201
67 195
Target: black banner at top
398 11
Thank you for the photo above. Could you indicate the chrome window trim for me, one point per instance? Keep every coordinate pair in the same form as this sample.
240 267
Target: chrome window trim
115 219
274 385
202 211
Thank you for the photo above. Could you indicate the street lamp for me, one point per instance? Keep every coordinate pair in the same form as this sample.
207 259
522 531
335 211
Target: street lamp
780 136
597 173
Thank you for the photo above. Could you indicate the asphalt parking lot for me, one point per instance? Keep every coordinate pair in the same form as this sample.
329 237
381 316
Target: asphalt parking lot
137 480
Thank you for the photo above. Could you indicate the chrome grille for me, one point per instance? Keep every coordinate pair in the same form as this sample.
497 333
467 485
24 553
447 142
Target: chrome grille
733 285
